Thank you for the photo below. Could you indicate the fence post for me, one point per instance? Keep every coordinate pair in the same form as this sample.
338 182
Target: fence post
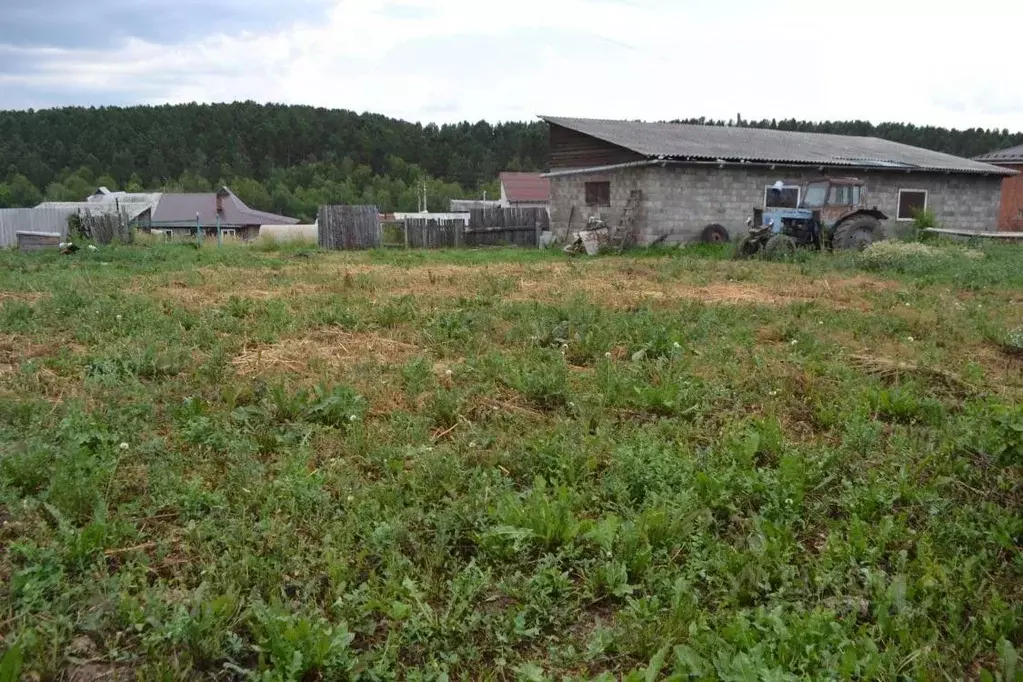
198 231
220 236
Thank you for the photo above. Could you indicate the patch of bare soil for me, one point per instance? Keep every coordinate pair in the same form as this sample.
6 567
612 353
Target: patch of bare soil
25 296
610 282
334 349
15 350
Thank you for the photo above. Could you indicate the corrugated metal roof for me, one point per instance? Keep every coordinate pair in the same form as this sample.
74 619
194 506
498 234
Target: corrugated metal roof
135 206
678 141
525 188
1010 155
183 208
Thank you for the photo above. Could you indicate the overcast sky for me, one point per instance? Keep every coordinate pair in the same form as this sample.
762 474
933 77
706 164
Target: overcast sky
956 65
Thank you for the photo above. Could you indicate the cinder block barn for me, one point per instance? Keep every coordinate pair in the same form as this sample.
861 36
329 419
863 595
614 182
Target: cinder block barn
683 178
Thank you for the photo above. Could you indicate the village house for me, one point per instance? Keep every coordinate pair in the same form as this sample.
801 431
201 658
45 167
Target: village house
1010 215
175 215
684 178
525 190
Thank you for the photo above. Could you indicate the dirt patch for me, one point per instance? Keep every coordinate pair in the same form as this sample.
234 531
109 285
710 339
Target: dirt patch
15 350
25 296
334 349
611 282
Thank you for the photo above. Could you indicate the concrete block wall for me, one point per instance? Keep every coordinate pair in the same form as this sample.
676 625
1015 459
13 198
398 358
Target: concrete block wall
570 191
683 200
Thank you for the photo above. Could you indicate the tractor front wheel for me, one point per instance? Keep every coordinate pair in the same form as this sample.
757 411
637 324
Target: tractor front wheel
748 247
780 247
857 232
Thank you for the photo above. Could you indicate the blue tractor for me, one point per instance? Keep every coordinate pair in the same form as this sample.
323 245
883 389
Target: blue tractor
832 214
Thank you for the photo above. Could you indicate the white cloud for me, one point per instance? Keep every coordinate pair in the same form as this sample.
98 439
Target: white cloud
446 60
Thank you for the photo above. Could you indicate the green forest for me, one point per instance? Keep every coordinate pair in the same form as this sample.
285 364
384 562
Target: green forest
292 159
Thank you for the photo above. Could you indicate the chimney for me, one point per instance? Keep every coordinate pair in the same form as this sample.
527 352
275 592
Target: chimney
220 203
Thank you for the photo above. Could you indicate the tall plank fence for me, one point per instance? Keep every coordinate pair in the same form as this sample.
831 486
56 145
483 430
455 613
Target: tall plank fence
487 227
349 227
359 227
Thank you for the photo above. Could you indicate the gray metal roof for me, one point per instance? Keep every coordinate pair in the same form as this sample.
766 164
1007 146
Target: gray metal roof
678 141
183 208
133 207
1010 155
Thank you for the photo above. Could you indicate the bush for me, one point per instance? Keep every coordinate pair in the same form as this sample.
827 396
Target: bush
924 219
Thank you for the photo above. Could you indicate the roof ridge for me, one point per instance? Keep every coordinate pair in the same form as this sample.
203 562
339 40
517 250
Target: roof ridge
744 143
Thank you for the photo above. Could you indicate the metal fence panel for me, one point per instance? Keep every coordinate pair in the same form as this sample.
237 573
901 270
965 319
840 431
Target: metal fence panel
14 220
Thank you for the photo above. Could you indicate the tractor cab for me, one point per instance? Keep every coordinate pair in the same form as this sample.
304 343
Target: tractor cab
833 198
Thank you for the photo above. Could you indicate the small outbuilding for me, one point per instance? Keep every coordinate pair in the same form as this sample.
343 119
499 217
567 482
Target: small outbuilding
1010 215
674 180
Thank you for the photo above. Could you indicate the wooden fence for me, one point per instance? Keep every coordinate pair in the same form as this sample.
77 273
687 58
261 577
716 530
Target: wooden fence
349 227
487 227
359 227
421 233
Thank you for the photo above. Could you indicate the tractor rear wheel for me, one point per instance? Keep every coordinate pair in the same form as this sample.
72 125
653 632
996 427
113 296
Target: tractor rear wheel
780 247
748 247
857 232
714 234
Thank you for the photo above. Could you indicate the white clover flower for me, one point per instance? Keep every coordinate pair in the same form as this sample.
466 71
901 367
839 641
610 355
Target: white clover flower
119 318
794 341
607 355
351 498
352 418
676 345
788 500
910 339
447 373
124 446
472 444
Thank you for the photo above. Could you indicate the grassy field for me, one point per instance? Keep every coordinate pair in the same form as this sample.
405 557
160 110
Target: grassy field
284 465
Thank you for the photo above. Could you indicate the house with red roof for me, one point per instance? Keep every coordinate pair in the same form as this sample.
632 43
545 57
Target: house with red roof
525 190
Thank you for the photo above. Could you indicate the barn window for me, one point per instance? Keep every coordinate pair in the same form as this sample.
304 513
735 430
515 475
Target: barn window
598 193
787 197
911 202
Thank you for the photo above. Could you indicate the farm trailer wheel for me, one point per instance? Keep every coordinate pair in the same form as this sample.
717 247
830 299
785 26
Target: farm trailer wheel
714 234
857 232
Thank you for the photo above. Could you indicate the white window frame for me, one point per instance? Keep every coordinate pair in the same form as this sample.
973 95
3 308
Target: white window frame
228 232
799 192
898 204
168 234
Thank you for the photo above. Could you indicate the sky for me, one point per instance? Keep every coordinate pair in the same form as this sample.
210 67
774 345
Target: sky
451 60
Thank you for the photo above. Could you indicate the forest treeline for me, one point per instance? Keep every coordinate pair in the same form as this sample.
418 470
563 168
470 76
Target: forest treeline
291 159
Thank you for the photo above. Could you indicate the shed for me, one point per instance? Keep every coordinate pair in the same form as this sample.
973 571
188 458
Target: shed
1010 213
692 176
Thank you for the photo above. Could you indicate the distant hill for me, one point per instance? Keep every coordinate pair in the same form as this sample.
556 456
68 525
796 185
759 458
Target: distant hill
289 159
